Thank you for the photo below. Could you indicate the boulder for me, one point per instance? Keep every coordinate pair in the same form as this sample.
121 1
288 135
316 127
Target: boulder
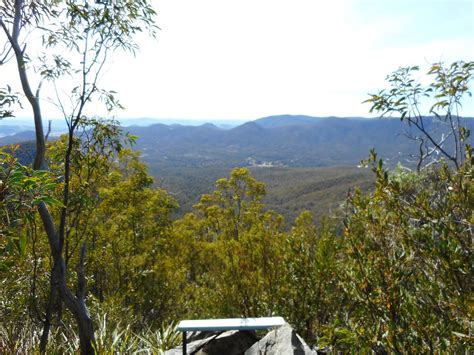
280 341
229 343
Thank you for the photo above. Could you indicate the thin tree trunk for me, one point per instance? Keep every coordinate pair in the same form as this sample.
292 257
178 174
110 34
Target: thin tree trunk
52 299
58 273
75 304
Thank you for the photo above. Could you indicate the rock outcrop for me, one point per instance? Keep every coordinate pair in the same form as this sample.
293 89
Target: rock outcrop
280 341
229 343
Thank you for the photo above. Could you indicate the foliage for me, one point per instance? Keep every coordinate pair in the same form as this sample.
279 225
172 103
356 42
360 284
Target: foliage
129 226
234 258
21 190
123 223
406 98
312 267
395 277
236 244
111 339
408 259
7 99
78 37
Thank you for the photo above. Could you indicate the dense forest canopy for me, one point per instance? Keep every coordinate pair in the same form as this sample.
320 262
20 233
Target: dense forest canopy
91 256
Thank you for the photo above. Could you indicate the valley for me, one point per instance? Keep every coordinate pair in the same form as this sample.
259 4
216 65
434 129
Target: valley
307 163
290 191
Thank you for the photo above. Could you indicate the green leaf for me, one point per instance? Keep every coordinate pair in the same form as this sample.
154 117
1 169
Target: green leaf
49 200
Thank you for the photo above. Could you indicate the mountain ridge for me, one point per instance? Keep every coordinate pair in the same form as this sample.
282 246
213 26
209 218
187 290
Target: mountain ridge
291 141
283 140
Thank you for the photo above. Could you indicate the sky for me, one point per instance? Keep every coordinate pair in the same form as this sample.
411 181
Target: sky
245 59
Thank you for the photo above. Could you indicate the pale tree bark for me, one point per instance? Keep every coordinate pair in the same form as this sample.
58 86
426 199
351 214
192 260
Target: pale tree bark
75 303
92 32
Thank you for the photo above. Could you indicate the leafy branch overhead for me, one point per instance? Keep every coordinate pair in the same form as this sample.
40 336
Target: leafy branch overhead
21 191
7 100
407 98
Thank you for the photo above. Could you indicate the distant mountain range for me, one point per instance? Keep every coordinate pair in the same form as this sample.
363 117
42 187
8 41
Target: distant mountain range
283 141
292 120
12 125
307 162
279 141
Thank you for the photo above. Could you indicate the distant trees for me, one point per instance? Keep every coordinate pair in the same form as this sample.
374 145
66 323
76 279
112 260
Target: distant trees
237 259
230 249
397 278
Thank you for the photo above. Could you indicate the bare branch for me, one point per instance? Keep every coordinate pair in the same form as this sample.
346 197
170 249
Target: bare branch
6 54
48 131
81 277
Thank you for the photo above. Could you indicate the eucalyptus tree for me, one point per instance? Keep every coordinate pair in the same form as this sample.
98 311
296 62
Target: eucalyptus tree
407 262
408 97
408 245
77 38
228 249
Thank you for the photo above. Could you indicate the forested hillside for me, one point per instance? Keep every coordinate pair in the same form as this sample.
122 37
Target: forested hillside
381 267
283 141
290 191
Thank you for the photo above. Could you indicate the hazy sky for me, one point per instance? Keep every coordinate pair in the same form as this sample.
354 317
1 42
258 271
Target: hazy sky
244 59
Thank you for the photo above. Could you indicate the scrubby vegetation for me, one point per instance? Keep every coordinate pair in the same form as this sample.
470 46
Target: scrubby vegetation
398 277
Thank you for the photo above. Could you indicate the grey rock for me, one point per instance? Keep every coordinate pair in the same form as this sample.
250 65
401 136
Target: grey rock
228 343
280 341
